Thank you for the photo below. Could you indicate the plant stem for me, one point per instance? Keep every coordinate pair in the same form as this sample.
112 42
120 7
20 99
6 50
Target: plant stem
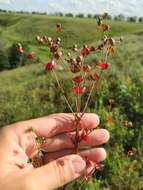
77 123
89 96
60 87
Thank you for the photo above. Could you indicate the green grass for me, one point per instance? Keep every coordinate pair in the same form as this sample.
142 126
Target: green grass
26 27
27 92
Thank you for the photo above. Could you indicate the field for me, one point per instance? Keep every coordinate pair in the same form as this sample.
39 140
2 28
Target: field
27 92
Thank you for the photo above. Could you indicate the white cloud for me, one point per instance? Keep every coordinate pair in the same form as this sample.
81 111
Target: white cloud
5 1
114 7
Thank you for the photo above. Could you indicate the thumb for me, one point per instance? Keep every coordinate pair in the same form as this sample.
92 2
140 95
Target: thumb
58 172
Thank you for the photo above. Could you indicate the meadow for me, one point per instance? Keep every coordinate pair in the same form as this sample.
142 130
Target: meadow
27 92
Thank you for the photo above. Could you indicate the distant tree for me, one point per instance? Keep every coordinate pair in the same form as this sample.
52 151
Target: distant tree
43 13
96 16
109 17
4 63
15 59
69 14
132 19
1 10
80 15
59 14
120 17
141 19
89 16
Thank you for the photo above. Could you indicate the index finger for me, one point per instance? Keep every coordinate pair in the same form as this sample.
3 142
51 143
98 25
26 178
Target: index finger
59 123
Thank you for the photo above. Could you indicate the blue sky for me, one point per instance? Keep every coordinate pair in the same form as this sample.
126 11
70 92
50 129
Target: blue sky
114 7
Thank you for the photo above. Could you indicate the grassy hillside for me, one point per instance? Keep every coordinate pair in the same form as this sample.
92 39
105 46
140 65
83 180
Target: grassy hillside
27 92
18 27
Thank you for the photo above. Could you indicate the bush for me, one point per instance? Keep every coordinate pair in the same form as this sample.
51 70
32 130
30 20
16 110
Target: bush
16 59
132 19
4 63
141 19
89 16
120 17
80 15
69 15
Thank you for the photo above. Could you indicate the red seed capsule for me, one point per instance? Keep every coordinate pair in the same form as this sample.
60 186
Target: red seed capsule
78 79
102 65
85 51
50 66
94 76
58 55
54 48
19 50
31 55
58 28
78 90
86 68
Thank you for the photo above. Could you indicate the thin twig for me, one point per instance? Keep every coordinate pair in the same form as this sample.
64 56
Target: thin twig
62 90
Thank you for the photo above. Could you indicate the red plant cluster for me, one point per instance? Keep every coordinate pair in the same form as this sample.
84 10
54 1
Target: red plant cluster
84 75
19 50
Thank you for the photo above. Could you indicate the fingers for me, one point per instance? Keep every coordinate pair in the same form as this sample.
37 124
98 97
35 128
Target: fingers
59 123
48 127
97 137
58 173
94 154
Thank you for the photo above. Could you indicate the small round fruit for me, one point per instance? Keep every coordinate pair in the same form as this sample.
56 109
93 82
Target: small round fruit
78 79
50 66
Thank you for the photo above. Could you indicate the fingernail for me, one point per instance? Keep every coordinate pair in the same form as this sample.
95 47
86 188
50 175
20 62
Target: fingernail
78 164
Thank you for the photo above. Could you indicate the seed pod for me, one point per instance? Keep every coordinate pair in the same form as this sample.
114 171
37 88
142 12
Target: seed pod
72 61
75 49
85 51
104 27
45 39
31 55
69 54
49 39
110 50
54 48
58 28
50 66
102 65
78 79
58 39
111 41
79 59
78 90
94 76
19 45
41 41
75 68
58 55
19 50
38 38
86 68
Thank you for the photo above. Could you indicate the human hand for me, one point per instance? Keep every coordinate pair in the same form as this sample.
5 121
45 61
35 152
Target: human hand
60 164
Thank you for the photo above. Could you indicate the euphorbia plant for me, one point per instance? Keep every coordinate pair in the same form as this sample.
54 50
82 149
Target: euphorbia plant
83 76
